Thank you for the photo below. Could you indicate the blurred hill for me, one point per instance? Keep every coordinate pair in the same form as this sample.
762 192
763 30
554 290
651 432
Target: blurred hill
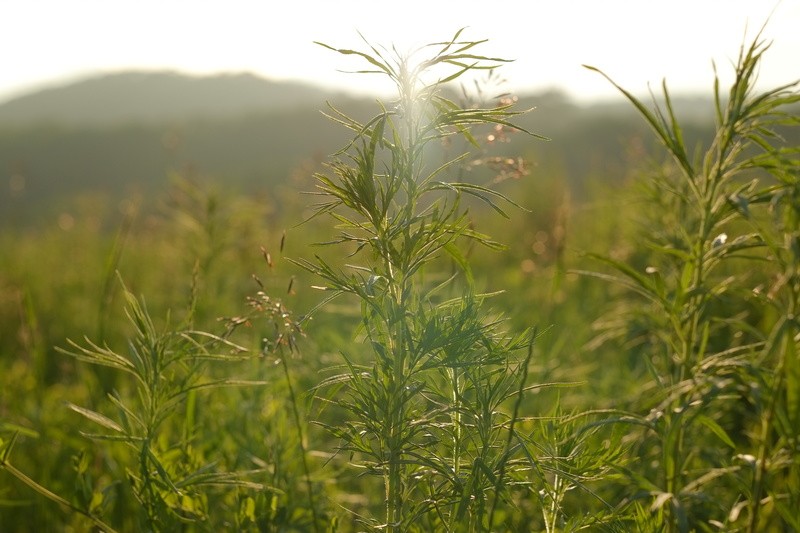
154 97
120 132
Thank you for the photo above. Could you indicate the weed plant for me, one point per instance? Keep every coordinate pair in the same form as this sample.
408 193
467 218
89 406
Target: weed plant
714 321
435 411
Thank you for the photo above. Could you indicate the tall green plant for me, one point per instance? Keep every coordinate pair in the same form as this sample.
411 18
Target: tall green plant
428 412
718 349
157 419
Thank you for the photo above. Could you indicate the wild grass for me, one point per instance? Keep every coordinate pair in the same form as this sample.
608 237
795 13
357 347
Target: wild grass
661 392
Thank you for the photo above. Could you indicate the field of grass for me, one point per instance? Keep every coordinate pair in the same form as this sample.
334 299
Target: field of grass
440 338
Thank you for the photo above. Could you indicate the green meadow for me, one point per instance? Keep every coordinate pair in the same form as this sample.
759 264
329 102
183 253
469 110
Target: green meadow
454 310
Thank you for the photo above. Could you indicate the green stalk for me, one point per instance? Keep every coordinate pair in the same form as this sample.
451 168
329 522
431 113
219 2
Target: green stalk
456 406
757 487
11 469
510 435
303 452
788 349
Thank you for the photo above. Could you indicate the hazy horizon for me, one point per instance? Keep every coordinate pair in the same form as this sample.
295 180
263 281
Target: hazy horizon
637 45
62 83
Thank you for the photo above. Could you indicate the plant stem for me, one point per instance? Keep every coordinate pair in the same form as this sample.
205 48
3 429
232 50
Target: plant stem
303 452
11 469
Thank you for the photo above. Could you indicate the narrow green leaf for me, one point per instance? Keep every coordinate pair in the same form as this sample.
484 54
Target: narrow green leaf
634 280
16 428
162 472
686 277
716 429
6 446
96 417
792 371
788 512
381 67
455 253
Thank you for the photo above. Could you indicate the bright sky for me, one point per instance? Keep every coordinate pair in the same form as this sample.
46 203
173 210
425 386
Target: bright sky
636 42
